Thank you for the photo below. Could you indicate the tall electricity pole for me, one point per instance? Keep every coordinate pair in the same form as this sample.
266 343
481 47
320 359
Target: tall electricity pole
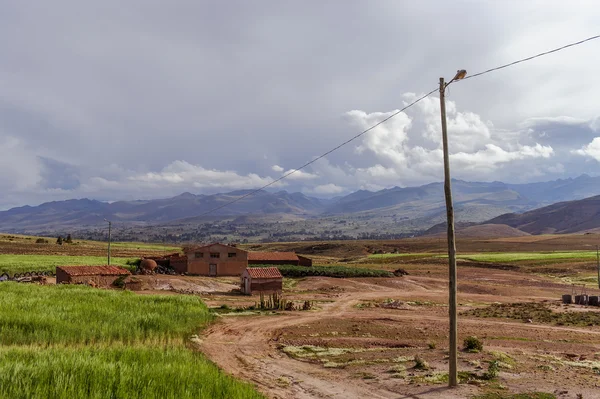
452 360
109 226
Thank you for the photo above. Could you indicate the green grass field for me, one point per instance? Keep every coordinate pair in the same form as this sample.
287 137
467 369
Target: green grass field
500 257
79 342
528 256
140 245
26 263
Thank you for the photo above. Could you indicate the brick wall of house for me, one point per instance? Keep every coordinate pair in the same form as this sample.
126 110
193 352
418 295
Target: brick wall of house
99 281
179 264
266 285
62 276
199 260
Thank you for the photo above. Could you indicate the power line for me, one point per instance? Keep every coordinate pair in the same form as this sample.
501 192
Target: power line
532 57
387 119
319 157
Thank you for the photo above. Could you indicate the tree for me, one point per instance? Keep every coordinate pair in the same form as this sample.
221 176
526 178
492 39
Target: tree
68 240
59 240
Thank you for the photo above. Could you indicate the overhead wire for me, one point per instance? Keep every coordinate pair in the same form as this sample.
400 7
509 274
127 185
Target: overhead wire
319 157
387 119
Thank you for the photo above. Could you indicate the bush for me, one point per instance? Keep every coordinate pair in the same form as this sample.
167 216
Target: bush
41 241
119 282
420 363
328 271
59 240
493 370
473 344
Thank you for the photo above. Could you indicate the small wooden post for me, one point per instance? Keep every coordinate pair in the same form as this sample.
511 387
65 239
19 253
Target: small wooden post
452 361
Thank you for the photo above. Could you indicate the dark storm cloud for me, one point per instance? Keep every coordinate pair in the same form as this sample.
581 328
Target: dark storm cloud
147 98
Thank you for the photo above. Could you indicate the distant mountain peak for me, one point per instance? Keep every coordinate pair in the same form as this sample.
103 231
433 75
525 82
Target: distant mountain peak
186 195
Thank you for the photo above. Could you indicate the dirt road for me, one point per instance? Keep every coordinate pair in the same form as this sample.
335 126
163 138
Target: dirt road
247 346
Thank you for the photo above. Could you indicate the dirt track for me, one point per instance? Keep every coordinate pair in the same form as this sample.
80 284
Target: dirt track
248 346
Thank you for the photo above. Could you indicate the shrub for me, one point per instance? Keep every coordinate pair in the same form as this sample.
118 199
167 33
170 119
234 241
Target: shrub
493 370
41 241
59 240
473 344
69 240
119 282
328 271
420 363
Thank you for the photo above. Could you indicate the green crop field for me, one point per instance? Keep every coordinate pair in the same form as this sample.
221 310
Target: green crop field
26 263
403 255
528 256
79 342
140 245
499 257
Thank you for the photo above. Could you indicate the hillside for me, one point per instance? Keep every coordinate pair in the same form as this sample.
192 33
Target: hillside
563 217
387 213
471 230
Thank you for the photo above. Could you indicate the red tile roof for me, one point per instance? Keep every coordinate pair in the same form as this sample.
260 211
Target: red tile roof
94 270
272 256
264 272
191 248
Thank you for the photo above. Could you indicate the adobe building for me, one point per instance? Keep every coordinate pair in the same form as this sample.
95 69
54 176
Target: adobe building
278 258
97 276
225 260
216 260
273 258
261 279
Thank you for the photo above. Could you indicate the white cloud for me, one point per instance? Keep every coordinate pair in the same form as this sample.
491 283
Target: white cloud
592 150
299 175
327 189
277 168
493 156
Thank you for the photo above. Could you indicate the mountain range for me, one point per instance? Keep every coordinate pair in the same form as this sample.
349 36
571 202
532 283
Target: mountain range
474 202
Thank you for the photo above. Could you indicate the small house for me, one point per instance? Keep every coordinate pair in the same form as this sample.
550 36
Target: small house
216 260
261 279
97 276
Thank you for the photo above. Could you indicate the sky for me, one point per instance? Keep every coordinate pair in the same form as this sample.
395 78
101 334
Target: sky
148 99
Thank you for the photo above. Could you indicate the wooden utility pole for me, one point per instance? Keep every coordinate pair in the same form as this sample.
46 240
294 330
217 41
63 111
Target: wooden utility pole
452 360
598 262
109 226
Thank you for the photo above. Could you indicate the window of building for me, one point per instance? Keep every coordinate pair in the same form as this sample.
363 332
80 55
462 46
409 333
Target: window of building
215 255
232 254
199 255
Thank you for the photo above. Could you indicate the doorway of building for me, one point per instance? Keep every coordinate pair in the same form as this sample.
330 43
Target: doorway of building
212 269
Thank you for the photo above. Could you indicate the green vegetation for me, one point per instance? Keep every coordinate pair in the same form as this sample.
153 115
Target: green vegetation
501 257
532 395
114 372
473 344
79 342
498 257
12 264
328 271
71 314
403 255
536 312
143 245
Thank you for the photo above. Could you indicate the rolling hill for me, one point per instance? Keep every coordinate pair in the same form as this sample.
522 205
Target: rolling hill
398 209
563 217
